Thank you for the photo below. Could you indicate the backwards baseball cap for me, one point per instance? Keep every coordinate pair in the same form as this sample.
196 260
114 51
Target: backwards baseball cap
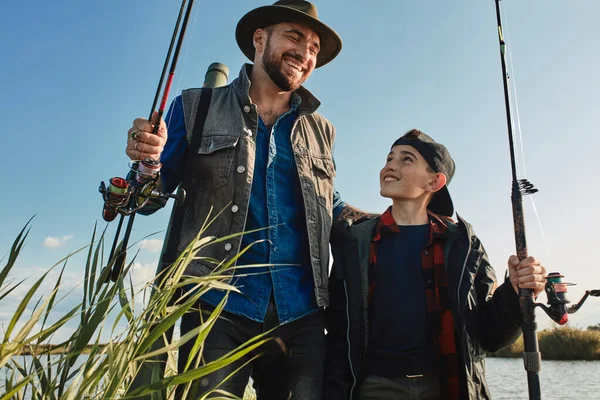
438 158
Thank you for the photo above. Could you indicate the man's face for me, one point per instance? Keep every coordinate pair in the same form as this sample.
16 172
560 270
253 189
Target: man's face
405 174
290 54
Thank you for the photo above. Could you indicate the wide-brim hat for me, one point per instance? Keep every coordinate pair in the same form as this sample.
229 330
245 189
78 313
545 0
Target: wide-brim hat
288 11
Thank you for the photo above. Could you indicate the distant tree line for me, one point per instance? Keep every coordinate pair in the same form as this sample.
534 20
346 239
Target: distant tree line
561 343
594 327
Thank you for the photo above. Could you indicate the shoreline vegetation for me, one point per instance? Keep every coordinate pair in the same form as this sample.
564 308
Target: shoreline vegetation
43 349
560 343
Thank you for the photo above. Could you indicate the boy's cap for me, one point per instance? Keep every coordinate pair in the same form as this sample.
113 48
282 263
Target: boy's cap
438 158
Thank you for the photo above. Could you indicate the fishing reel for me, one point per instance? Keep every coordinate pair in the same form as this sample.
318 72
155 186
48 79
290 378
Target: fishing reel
127 196
556 291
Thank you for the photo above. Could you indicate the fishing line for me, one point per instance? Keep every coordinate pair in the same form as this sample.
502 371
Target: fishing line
514 87
513 80
537 217
187 52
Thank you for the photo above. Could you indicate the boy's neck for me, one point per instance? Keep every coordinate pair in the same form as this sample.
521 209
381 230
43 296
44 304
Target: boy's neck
409 213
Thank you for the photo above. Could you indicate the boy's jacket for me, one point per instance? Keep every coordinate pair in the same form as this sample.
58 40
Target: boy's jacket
487 317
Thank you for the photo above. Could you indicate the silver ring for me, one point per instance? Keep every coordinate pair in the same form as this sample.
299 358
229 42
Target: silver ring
135 147
134 135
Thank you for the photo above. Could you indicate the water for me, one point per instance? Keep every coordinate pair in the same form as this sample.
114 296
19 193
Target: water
558 379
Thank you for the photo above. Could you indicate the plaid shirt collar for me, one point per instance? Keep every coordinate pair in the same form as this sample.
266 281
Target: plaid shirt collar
386 224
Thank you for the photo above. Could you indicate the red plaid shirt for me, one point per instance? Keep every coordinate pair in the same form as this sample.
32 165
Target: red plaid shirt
436 293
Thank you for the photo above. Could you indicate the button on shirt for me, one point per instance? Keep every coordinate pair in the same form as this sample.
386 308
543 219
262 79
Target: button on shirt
276 201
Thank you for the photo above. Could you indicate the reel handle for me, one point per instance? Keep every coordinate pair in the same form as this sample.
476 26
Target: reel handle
574 308
179 197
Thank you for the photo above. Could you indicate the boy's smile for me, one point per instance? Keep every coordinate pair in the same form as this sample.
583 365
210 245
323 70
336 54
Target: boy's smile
405 175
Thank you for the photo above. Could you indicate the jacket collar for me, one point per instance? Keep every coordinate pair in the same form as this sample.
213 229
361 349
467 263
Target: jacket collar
308 102
386 224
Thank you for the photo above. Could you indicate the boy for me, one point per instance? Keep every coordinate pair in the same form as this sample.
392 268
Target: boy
414 302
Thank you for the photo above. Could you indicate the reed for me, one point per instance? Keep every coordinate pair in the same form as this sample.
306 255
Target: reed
136 362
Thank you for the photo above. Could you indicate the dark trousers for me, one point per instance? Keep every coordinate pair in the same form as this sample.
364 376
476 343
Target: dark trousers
290 367
404 388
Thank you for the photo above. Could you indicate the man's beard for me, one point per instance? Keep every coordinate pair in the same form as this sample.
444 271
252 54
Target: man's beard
272 66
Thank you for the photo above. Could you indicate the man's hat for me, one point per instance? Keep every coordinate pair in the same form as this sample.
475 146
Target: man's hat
288 11
438 158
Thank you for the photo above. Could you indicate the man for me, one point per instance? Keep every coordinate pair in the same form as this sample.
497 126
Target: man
265 159
414 302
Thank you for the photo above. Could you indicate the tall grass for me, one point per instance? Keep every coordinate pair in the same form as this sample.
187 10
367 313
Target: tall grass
564 343
136 362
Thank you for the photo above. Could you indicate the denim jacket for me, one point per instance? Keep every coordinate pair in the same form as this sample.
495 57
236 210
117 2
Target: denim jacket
224 169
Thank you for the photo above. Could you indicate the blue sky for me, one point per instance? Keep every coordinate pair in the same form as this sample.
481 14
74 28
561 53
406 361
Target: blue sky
75 74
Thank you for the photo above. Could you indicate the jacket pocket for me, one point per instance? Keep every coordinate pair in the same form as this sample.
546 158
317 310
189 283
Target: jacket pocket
216 154
324 172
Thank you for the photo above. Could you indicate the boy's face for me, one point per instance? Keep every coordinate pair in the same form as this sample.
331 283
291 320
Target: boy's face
406 175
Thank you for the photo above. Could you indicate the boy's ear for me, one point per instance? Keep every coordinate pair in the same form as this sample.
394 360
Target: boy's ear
438 182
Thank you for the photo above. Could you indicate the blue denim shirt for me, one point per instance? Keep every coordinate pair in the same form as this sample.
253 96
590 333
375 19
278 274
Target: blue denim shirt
275 202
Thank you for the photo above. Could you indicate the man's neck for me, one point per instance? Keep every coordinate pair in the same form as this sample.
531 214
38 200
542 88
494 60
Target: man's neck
271 101
409 213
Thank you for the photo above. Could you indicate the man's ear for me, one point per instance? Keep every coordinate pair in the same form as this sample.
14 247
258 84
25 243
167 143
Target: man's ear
439 181
259 39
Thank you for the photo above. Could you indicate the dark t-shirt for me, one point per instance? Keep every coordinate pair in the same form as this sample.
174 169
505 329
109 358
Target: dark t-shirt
400 342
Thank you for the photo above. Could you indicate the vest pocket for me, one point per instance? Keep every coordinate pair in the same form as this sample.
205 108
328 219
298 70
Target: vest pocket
324 172
216 153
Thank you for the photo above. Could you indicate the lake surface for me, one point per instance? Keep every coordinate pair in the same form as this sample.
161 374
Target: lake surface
508 381
558 379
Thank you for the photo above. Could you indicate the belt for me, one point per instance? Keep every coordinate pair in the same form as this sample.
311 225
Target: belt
423 375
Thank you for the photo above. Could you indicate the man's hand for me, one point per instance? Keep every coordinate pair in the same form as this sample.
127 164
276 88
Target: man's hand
527 274
142 143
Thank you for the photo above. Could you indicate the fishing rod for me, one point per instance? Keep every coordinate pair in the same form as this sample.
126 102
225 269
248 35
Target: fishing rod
555 288
531 355
125 196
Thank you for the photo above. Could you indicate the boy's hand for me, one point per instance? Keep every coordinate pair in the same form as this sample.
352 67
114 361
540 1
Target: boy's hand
527 274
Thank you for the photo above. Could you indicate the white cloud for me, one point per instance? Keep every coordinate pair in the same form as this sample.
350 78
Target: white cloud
54 242
152 245
141 275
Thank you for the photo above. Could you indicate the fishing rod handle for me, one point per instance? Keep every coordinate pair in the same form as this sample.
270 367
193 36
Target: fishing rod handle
519 221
